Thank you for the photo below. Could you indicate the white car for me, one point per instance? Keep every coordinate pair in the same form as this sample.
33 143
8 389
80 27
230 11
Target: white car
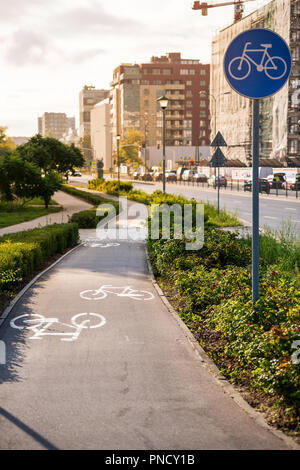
187 175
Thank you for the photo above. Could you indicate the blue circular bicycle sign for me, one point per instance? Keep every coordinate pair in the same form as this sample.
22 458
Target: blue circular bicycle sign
257 63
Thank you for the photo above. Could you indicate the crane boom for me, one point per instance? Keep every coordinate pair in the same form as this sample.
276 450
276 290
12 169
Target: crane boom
238 7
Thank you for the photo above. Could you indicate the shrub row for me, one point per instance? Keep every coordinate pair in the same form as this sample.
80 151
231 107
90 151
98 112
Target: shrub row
23 252
157 197
88 218
212 292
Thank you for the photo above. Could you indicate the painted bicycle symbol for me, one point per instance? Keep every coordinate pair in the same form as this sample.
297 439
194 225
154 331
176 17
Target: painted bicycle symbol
96 244
41 325
126 291
239 68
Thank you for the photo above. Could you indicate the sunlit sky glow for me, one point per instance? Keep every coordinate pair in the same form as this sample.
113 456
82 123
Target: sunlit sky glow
49 50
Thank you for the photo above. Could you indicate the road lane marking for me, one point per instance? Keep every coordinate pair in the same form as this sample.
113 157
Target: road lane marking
270 217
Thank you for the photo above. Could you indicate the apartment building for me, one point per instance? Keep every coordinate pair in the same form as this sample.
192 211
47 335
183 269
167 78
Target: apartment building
55 124
101 138
279 114
136 87
88 97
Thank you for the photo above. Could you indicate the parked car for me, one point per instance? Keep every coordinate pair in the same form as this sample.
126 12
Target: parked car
77 173
171 175
158 176
264 185
200 178
187 175
136 175
295 185
180 171
146 177
222 181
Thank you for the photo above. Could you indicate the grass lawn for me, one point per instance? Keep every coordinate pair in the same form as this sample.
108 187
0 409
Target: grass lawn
38 201
11 214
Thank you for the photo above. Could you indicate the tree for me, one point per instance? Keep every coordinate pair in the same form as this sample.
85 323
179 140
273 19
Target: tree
130 146
6 143
50 154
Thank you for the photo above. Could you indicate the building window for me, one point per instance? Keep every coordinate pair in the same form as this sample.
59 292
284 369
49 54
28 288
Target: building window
202 113
189 104
202 123
202 133
189 82
192 72
156 82
167 71
189 113
202 104
202 82
146 91
145 82
202 72
156 71
189 93
184 71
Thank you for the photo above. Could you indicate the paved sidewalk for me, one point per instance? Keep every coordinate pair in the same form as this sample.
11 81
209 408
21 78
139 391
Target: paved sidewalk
70 205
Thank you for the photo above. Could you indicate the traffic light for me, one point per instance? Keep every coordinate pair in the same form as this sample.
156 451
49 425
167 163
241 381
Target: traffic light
115 161
143 144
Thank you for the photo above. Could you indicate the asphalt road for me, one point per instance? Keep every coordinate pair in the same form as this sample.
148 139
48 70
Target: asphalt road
274 211
130 381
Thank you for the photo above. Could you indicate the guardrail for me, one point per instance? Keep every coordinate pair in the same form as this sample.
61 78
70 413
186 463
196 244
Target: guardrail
231 186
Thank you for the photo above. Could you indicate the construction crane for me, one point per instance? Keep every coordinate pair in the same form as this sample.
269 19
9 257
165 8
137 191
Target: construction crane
238 7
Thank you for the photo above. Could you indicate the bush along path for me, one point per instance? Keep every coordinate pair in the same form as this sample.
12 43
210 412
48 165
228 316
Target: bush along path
24 254
157 197
251 344
88 218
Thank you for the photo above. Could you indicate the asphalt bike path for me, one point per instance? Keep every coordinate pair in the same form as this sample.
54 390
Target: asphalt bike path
96 361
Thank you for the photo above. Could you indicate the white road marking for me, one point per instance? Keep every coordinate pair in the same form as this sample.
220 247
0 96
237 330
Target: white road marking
290 208
40 324
124 291
270 217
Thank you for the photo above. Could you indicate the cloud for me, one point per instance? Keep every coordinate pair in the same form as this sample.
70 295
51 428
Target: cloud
83 55
91 18
26 48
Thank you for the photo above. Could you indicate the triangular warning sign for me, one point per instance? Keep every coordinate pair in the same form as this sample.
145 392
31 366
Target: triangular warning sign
218 159
218 141
219 155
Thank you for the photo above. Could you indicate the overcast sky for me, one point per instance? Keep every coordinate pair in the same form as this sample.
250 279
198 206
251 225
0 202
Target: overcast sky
50 49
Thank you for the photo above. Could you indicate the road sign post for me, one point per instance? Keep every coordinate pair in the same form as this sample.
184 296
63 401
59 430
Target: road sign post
218 160
257 63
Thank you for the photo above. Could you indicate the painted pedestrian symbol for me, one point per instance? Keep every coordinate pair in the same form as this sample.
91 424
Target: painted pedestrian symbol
257 63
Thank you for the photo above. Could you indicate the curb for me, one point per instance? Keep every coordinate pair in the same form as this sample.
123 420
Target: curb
213 369
12 304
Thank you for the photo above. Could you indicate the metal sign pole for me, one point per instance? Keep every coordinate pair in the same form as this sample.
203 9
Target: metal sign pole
255 200
218 190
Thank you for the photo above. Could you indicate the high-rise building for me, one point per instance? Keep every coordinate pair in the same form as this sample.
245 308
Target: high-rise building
135 89
55 124
88 97
101 137
279 114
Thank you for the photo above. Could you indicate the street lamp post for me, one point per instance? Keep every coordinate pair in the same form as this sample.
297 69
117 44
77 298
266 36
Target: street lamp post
163 102
118 157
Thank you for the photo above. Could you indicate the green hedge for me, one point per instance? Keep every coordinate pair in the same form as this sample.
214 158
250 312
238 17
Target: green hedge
88 217
23 252
157 197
